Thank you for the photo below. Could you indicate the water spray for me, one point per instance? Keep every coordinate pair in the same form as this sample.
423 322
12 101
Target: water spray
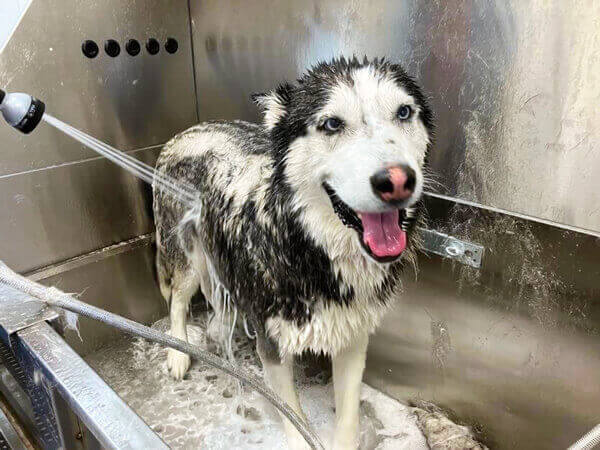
21 111
24 112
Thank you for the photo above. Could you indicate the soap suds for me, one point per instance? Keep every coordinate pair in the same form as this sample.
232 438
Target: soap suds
206 409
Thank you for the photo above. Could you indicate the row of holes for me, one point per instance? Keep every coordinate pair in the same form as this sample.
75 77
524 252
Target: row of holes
132 46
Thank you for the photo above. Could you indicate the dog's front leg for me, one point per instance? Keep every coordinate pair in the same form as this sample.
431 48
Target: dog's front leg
280 376
348 367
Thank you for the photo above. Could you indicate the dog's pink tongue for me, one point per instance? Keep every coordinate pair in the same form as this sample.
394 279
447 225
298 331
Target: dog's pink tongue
382 233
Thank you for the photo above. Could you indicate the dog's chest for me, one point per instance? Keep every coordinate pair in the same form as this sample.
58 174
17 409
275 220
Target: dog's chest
334 326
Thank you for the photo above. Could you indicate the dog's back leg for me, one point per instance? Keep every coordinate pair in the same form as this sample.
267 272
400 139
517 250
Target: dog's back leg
184 284
280 376
164 278
220 325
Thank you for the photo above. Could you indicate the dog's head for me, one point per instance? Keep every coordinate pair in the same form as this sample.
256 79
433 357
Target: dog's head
352 136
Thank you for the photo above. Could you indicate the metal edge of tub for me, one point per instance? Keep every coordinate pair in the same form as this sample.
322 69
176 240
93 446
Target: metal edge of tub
52 381
8 435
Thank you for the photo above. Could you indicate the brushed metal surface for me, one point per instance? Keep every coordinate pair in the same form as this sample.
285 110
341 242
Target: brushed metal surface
8 434
123 284
88 258
31 397
129 102
69 210
18 311
513 348
514 85
13 393
112 422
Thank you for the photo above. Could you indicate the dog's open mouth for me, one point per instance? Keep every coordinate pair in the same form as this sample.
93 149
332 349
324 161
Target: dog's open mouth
382 235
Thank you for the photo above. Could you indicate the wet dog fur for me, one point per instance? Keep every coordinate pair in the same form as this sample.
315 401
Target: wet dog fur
279 220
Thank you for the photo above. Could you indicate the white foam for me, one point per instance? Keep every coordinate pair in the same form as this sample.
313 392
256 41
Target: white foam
206 409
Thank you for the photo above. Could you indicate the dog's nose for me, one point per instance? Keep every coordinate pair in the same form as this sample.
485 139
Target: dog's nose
394 183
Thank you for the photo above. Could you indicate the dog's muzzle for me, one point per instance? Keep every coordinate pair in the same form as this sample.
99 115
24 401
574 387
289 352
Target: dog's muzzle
382 235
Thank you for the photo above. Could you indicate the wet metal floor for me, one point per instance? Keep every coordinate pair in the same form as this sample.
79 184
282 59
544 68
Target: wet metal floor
208 409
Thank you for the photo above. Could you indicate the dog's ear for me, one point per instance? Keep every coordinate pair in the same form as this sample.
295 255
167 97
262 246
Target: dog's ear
274 104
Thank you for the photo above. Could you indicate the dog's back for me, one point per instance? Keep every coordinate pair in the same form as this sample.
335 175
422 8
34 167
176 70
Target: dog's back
217 158
224 161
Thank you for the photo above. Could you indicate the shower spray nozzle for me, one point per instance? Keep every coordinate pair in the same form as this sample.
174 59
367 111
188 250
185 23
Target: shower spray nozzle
21 111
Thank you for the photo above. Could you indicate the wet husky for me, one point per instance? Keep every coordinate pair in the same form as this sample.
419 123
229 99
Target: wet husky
306 220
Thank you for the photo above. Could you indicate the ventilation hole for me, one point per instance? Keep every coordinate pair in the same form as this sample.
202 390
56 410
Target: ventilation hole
112 48
171 45
90 49
152 46
133 47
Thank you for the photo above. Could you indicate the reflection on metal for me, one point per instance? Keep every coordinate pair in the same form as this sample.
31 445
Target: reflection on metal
514 85
111 421
38 404
88 258
589 441
56 381
12 12
128 102
511 348
128 277
65 211
9 438
449 247
517 215
14 393
82 203
19 313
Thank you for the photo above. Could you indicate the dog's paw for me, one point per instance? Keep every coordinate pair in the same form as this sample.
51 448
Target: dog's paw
294 439
178 363
297 442
349 441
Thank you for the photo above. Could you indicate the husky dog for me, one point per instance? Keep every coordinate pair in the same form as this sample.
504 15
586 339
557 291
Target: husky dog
305 220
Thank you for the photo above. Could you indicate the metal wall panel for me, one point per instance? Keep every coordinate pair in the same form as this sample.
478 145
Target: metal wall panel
514 85
124 284
128 101
511 349
131 102
53 214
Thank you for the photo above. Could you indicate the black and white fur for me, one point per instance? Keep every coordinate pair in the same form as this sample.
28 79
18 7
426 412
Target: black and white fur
278 222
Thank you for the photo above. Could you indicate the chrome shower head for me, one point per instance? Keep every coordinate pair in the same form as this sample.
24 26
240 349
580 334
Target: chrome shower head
21 111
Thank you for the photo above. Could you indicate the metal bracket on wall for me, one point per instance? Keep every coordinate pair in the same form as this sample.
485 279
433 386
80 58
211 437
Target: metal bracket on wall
450 247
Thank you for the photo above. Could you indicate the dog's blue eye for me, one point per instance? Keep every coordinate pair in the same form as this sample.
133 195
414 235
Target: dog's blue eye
332 124
404 112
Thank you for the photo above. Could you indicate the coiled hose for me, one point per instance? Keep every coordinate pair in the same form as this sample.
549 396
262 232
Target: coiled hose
55 297
588 441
